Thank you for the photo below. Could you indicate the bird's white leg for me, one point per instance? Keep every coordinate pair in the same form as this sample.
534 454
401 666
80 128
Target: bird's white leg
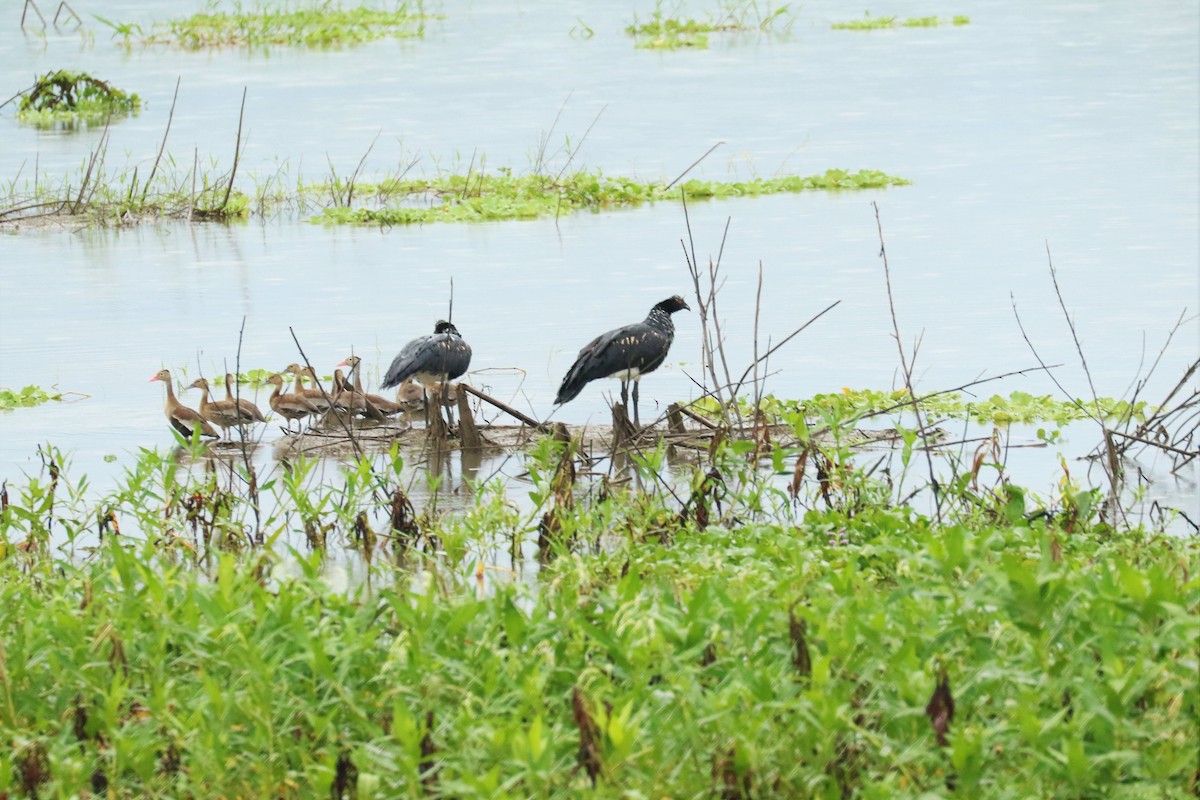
637 423
444 399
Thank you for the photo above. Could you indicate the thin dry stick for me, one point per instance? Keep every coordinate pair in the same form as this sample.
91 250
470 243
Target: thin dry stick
362 162
712 340
1074 336
1112 464
317 380
692 166
545 139
31 4
251 475
887 276
17 95
96 158
237 151
737 386
195 171
163 145
65 6
579 146
1142 382
507 409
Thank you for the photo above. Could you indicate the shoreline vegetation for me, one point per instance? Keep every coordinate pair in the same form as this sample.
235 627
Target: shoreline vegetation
768 616
656 625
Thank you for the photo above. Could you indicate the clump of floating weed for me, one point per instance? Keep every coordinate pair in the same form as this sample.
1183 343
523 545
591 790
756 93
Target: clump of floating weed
68 99
869 23
662 32
669 31
488 197
1017 407
315 25
22 398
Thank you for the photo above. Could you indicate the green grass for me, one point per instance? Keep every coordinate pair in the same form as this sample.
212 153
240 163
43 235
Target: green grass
490 197
869 23
68 99
783 648
23 398
310 24
665 30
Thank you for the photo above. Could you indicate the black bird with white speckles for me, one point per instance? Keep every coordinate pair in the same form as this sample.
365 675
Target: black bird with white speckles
626 354
441 356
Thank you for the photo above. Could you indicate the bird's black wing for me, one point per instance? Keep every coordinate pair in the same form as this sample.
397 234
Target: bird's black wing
402 365
438 354
638 346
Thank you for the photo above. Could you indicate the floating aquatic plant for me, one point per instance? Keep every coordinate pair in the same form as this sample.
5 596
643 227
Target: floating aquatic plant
68 98
869 23
489 197
1017 407
669 31
313 24
29 396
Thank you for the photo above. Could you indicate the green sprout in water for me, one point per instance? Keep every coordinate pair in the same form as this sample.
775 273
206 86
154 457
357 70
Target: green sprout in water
869 23
312 25
66 98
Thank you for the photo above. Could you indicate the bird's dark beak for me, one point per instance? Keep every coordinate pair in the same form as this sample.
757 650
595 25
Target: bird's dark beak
685 305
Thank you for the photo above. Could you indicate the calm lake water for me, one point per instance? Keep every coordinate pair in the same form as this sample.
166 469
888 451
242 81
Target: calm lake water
1067 125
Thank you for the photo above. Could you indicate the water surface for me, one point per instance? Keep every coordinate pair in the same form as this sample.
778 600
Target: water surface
1069 126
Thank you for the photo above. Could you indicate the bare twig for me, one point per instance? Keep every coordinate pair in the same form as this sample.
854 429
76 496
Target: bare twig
163 145
28 5
362 162
578 147
251 475
692 166
906 366
18 94
507 409
545 138
237 152
758 359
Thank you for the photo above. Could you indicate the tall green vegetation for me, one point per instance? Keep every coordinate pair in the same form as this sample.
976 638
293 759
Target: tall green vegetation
715 632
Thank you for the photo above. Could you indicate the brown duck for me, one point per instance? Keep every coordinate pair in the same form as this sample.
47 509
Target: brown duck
321 400
385 406
224 413
349 400
247 407
183 419
290 406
